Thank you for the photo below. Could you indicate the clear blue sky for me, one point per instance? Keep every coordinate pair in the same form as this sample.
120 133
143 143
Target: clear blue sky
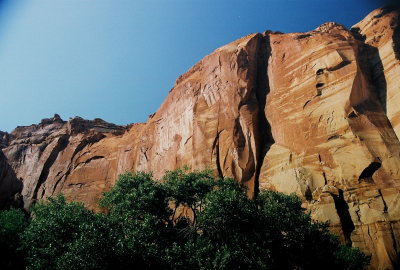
117 59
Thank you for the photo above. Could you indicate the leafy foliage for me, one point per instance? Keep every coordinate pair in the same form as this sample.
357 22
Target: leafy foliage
12 224
139 213
145 227
188 189
66 236
270 232
136 196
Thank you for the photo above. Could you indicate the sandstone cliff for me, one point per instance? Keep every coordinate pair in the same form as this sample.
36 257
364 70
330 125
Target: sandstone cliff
315 113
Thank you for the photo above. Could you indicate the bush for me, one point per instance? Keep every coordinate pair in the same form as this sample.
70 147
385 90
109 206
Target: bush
12 225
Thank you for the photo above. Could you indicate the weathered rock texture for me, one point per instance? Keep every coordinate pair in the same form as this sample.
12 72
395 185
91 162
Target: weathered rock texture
380 30
333 143
316 113
47 159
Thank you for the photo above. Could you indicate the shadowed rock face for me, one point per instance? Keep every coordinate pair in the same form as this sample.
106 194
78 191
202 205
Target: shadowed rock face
380 30
311 113
10 186
4 139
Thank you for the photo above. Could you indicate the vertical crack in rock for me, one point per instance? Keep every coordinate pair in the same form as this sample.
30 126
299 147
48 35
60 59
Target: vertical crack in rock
215 145
215 148
342 210
385 207
62 143
265 139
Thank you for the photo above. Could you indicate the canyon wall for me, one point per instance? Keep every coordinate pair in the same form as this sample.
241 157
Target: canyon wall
316 114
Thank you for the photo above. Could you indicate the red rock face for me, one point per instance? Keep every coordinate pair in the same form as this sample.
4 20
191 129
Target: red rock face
380 31
212 110
334 145
311 113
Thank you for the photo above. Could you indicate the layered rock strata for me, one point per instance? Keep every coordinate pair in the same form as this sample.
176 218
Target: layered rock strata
316 114
333 143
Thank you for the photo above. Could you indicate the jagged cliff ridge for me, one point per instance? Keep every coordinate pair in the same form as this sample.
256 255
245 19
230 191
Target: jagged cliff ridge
44 156
314 113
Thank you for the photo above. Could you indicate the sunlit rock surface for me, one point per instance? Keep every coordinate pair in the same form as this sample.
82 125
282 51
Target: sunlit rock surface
316 114
333 143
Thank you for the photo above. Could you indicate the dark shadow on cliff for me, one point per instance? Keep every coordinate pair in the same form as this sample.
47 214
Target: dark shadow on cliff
10 186
62 143
345 219
372 67
265 139
396 33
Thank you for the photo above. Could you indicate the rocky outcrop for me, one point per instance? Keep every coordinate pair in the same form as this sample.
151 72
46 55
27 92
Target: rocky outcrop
43 157
380 31
312 113
333 143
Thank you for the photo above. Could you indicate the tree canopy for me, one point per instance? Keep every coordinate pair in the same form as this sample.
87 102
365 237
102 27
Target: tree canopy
189 220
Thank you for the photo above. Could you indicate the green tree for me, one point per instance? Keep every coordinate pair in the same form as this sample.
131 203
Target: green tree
12 224
140 229
269 232
140 216
188 189
227 230
65 235
135 196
